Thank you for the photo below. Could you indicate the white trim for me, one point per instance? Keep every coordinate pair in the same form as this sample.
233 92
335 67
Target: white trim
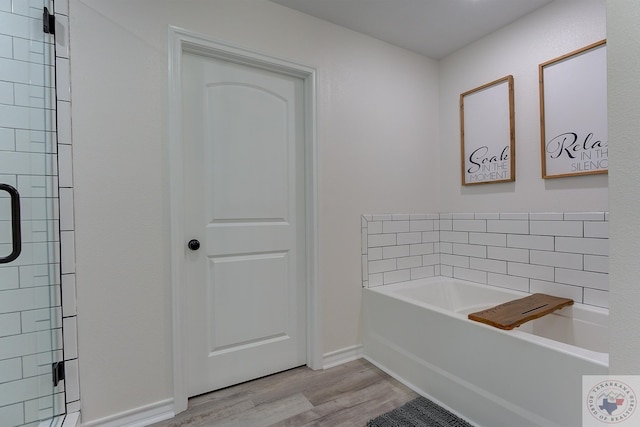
138 417
181 41
71 420
344 355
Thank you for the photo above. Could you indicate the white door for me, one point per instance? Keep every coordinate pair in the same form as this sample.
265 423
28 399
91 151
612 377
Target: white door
243 131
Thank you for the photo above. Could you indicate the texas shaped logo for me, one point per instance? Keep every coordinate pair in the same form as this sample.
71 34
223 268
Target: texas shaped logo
611 402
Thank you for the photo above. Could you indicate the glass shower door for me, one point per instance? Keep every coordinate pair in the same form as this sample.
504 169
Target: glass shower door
30 312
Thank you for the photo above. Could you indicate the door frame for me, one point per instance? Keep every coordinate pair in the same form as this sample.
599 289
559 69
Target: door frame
182 41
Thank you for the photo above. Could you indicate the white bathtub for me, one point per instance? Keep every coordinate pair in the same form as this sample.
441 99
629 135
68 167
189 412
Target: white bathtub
419 333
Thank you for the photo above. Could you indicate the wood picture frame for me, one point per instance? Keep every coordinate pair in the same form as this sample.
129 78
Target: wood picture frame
573 113
487 133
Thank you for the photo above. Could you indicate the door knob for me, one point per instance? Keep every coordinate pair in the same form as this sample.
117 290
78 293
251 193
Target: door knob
193 244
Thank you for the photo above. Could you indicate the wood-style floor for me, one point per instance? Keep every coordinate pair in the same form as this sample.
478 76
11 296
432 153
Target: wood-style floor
347 395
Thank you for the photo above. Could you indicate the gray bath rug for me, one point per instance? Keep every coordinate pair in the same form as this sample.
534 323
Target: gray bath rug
420 412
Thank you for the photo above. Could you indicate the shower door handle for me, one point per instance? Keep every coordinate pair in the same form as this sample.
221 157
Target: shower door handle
15 223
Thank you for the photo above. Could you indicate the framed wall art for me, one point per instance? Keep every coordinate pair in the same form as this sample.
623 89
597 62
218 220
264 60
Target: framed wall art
573 113
487 129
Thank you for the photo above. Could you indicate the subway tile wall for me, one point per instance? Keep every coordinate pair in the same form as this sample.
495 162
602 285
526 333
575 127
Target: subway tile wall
31 316
35 140
399 247
560 253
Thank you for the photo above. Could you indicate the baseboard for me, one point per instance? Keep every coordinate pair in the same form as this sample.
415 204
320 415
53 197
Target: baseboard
139 417
344 355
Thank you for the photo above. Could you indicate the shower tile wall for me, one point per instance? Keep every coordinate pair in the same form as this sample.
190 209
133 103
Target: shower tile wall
46 264
31 338
67 234
564 254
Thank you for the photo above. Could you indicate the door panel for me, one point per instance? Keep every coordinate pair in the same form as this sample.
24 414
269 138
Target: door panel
244 200
248 160
258 281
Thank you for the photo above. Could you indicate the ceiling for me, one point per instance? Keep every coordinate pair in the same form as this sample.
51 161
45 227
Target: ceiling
434 28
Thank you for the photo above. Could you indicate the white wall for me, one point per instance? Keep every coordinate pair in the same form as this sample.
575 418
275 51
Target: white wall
556 29
624 127
377 148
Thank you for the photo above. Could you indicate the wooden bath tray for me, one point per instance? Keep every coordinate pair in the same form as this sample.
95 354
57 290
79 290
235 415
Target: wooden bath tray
514 313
